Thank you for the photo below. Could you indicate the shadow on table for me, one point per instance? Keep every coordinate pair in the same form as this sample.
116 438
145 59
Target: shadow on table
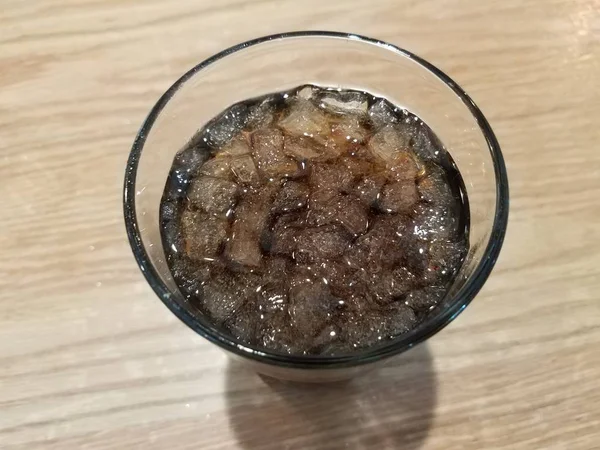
390 408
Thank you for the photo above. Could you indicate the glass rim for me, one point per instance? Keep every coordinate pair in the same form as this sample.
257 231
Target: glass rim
399 344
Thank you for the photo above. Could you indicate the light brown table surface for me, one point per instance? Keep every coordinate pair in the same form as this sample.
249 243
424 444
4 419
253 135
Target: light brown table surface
89 358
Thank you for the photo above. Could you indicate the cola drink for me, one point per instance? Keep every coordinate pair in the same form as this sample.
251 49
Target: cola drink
314 221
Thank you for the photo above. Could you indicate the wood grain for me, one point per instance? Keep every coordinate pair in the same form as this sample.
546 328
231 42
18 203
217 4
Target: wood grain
89 358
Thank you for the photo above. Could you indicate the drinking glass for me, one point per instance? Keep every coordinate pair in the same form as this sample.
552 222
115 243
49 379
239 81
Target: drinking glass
281 62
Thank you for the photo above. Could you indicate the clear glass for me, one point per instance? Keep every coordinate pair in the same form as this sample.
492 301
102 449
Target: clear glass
281 62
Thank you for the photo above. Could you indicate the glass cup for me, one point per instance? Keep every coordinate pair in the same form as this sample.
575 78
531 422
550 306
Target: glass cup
281 62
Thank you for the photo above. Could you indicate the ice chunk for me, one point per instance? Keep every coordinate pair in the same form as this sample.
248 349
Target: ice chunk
345 210
332 178
337 275
275 333
416 256
382 246
222 129
345 102
311 307
292 196
425 144
191 158
398 197
303 148
218 167
348 130
255 207
272 298
322 243
168 211
434 188
261 115
305 119
425 299
267 151
277 269
222 297
379 326
382 113
243 248
445 258
236 147
284 235
352 215
213 195
391 285
244 169
405 167
433 222
250 222
356 166
386 143
369 188
203 234
307 92
243 324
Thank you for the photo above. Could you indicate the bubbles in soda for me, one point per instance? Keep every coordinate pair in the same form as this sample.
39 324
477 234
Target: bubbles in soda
314 221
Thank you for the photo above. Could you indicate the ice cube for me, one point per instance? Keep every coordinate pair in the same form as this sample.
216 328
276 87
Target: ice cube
345 102
203 234
311 307
223 128
369 188
322 243
386 143
267 151
292 196
303 148
213 195
244 169
303 118
382 113
399 197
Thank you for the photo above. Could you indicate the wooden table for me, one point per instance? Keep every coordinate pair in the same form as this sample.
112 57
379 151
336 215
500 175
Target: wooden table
89 358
